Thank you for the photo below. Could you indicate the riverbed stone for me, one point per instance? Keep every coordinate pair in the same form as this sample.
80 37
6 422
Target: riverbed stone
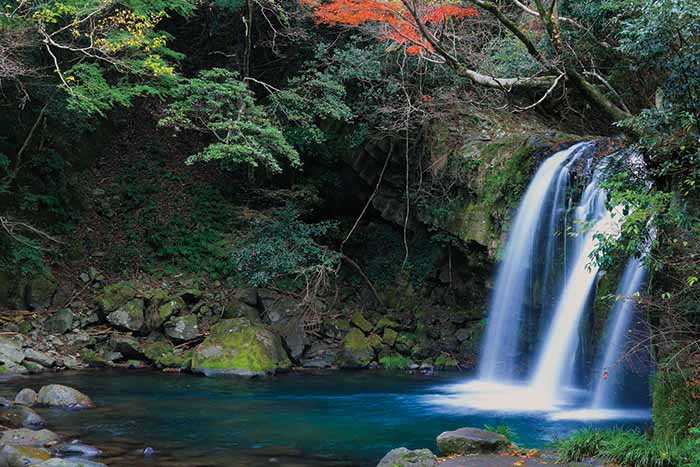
11 350
240 347
76 449
20 416
128 317
60 322
182 328
22 456
26 397
27 437
356 351
39 357
470 441
57 395
402 457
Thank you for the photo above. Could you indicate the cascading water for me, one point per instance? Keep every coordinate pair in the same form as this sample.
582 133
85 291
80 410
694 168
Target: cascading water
515 280
609 371
545 289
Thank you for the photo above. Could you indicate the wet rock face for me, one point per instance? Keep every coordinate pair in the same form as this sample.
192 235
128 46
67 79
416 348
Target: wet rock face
240 347
470 441
406 458
57 395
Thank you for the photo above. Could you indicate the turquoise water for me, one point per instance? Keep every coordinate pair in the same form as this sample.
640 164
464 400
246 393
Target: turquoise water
314 419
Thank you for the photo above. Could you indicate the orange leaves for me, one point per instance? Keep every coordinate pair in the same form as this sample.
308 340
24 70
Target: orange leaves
395 22
443 12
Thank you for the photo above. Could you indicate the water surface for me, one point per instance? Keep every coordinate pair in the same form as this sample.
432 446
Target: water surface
309 419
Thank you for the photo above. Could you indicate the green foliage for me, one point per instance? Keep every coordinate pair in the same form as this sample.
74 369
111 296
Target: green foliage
628 447
395 362
220 105
676 404
503 429
285 246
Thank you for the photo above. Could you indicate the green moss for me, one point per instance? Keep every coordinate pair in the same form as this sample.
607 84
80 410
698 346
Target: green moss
3 369
92 358
445 362
240 347
116 295
395 362
357 351
162 354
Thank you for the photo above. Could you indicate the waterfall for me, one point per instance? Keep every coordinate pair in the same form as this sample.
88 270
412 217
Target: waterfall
609 369
512 295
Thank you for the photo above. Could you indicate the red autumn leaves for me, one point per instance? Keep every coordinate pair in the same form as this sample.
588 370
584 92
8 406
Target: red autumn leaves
398 23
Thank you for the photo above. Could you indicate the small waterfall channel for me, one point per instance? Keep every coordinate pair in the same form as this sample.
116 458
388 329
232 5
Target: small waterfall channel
547 276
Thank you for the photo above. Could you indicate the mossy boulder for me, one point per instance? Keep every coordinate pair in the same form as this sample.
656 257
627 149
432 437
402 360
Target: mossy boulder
402 457
389 336
128 317
171 307
240 347
40 290
16 456
162 354
359 320
470 441
115 296
356 351
384 323
27 437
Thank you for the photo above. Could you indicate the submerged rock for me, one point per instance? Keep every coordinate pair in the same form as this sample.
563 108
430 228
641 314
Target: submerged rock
470 441
22 456
240 347
55 462
357 351
27 437
26 397
402 457
19 416
57 395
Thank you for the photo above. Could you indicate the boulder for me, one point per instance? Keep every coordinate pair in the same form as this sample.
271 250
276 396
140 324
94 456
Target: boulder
359 320
56 462
60 322
384 323
236 309
402 457
389 336
240 347
356 351
182 328
293 335
115 296
40 290
128 317
26 397
11 350
20 416
22 456
162 354
128 346
26 437
470 441
171 307
57 395
39 357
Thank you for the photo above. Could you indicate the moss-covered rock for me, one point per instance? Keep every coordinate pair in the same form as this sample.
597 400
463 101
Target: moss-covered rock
240 347
182 328
359 320
385 322
470 441
356 351
115 296
40 289
128 317
171 307
162 354
389 336
445 362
